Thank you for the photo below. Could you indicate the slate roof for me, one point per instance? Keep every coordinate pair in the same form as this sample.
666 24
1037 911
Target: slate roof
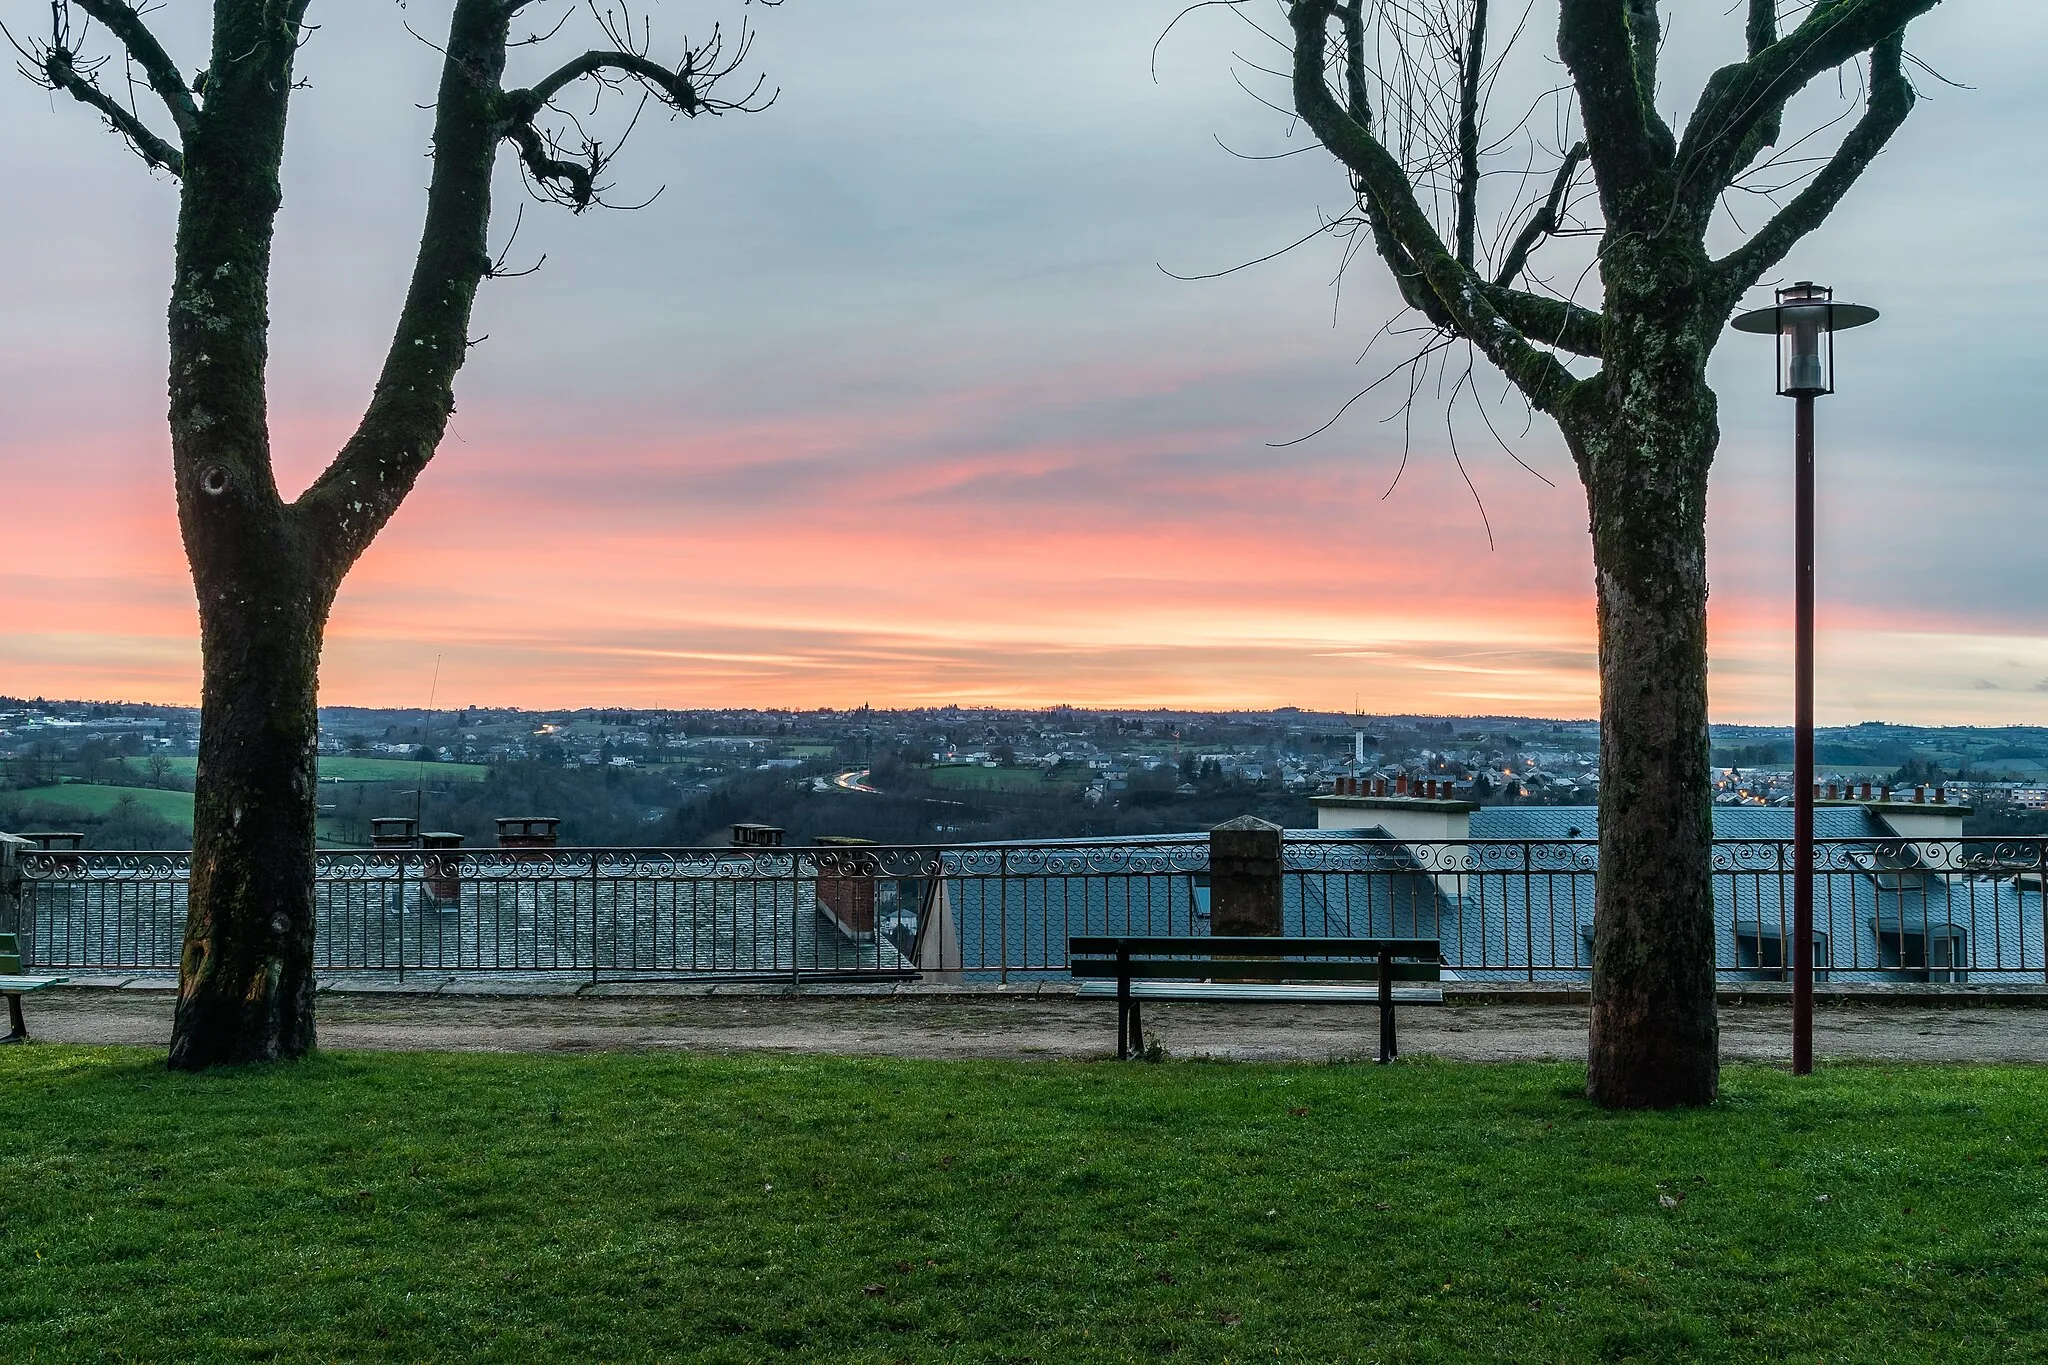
1507 912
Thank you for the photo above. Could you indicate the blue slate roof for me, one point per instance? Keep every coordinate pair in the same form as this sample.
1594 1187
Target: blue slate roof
1525 912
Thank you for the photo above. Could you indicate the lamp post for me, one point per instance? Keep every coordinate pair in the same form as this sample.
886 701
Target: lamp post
1805 320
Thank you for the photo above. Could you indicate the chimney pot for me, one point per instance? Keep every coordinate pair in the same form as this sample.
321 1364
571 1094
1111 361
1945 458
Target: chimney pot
1379 786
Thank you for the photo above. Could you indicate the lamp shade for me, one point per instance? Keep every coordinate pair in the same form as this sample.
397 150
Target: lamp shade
1805 320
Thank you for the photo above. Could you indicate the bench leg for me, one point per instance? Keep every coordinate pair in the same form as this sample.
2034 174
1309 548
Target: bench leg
1137 1028
1123 1018
20 1026
1388 1047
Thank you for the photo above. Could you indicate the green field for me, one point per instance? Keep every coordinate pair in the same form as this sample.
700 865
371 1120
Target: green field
671 1207
335 769
960 777
94 800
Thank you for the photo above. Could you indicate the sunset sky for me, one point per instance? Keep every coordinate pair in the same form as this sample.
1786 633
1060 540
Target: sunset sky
887 398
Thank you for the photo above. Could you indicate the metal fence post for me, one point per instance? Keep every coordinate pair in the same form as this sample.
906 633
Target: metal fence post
401 915
593 918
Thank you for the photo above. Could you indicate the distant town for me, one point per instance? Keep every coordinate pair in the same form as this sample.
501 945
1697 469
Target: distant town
121 774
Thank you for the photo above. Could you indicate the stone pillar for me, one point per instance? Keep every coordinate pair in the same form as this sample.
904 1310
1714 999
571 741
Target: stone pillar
1244 878
10 882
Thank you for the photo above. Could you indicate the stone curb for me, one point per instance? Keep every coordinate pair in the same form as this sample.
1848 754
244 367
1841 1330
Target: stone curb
548 985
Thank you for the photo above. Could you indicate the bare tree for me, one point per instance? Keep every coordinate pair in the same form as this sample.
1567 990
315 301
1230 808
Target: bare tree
267 570
1397 91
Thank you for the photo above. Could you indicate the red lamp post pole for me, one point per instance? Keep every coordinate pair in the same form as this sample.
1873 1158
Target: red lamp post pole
1802 749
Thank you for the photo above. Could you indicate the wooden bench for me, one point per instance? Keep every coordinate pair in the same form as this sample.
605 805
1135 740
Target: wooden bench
14 985
1225 968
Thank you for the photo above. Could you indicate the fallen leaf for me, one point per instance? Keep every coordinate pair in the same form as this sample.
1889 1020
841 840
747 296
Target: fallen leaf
1666 1201
1820 1199
1298 1111
1230 1319
874 1291
903 1267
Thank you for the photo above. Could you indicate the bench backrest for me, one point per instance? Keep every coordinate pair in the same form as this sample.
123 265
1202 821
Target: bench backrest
1254 959
10 955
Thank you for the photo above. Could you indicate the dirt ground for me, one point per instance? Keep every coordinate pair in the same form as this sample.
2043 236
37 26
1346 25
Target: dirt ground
1041 1026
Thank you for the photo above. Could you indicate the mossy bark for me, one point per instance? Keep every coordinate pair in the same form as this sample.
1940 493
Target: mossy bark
246 971
1645 438
266 571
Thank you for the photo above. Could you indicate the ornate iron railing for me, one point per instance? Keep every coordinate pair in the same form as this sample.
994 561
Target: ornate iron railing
1884 909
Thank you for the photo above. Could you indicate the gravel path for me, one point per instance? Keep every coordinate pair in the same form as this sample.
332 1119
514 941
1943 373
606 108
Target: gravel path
1042 1026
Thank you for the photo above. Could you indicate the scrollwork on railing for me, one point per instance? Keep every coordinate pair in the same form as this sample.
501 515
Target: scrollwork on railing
1439 857
66 866
1107 859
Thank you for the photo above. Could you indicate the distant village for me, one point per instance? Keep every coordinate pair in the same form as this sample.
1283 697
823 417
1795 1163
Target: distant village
122 773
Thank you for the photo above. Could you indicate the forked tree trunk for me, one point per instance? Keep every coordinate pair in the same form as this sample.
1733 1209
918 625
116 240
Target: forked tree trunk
267 571
1655 1040
246 971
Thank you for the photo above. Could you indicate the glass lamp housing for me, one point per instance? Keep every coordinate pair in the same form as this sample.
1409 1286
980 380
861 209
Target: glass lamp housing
1806 343
1805 319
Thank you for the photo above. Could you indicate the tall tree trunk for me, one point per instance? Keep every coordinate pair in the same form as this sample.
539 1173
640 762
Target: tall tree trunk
1655 1038
245 981
246 972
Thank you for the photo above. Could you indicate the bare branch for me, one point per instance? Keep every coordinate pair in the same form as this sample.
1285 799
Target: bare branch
689 89
473 115
1473 62
1557 323
408 411
1891 100
124 21
1455 296
1595 39
1722 136
59 70
1544 221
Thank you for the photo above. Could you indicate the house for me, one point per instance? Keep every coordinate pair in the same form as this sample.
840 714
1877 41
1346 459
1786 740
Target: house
1509 890
1897 890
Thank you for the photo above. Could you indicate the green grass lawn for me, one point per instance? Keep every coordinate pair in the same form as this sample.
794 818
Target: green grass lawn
671 1207
339 769
95 800
960 777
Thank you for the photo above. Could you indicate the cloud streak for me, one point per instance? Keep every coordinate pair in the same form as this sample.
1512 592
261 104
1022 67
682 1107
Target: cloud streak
887 400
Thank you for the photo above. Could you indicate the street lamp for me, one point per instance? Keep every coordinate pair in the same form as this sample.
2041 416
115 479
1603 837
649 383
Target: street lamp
1805 320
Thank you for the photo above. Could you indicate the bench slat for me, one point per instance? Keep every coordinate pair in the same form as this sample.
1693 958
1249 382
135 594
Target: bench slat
21 985
1164 945
1229 990
1254 968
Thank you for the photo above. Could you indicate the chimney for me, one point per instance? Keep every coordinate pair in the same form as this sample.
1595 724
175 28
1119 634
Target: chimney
1379 786
527 831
